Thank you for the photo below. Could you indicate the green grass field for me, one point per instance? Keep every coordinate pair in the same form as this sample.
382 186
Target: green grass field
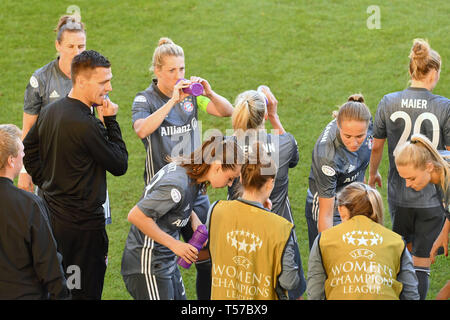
313 55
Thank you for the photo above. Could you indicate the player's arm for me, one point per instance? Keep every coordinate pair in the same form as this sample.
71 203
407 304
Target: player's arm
32 106
146 126
218 106
25 181
272 110
149 227
326 211
375 160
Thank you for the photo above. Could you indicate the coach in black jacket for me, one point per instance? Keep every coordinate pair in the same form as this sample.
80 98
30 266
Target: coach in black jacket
67 153
29 264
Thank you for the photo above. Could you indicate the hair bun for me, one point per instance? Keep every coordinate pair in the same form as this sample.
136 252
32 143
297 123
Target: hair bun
163 41
420 49
357 97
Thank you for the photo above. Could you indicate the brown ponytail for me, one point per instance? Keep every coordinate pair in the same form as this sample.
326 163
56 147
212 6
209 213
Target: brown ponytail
68 23
216 149
258 169
353 109
422 59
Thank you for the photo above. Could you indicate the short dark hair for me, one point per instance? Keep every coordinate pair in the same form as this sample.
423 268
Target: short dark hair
87 60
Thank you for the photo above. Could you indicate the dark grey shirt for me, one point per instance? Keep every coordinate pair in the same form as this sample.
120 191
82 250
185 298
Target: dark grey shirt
168 199
284 151
401 114
333 166
177 135
46 85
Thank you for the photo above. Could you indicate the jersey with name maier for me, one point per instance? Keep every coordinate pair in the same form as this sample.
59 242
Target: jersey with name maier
401 114
284 151
46 85
177 135
168 199
333 166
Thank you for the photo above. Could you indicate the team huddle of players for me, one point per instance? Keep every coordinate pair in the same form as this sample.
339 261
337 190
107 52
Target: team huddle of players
71 138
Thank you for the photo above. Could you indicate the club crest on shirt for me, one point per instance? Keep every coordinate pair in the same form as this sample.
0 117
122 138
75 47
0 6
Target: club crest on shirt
328 171
176 195
188 106
33 82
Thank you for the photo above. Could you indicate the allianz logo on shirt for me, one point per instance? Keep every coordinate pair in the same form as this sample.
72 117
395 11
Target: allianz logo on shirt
174 130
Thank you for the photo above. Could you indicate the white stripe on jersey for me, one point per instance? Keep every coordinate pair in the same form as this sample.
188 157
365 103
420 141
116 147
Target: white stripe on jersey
315 207
291 218
149 161
146 263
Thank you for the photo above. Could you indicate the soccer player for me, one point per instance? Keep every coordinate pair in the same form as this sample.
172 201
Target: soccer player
29 263
420 164
67 152
53 82
416 215
360 259
340 157
248 121
166 119
252 249
149 265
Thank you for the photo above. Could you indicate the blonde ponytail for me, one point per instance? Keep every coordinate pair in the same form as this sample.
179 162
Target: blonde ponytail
249 111
361 199
418 152
166 47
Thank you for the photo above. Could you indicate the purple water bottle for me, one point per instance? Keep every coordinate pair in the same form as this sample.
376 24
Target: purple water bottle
194 89
198 239
260 91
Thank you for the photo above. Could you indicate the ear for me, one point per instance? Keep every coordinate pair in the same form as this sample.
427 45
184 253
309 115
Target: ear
343 212
429 167
57 46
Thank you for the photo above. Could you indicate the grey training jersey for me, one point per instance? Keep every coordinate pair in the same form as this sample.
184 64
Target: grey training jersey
168 199
333 166
177 135
46 85
284 151
401 114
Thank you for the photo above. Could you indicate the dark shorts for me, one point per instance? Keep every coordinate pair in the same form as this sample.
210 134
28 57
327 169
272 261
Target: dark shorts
155 287
420 226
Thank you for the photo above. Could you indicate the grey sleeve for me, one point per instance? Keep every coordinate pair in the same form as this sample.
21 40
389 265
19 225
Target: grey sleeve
295 154
379 124
407 276
315 288
33 96
324 172
289 278
159 201
140 108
